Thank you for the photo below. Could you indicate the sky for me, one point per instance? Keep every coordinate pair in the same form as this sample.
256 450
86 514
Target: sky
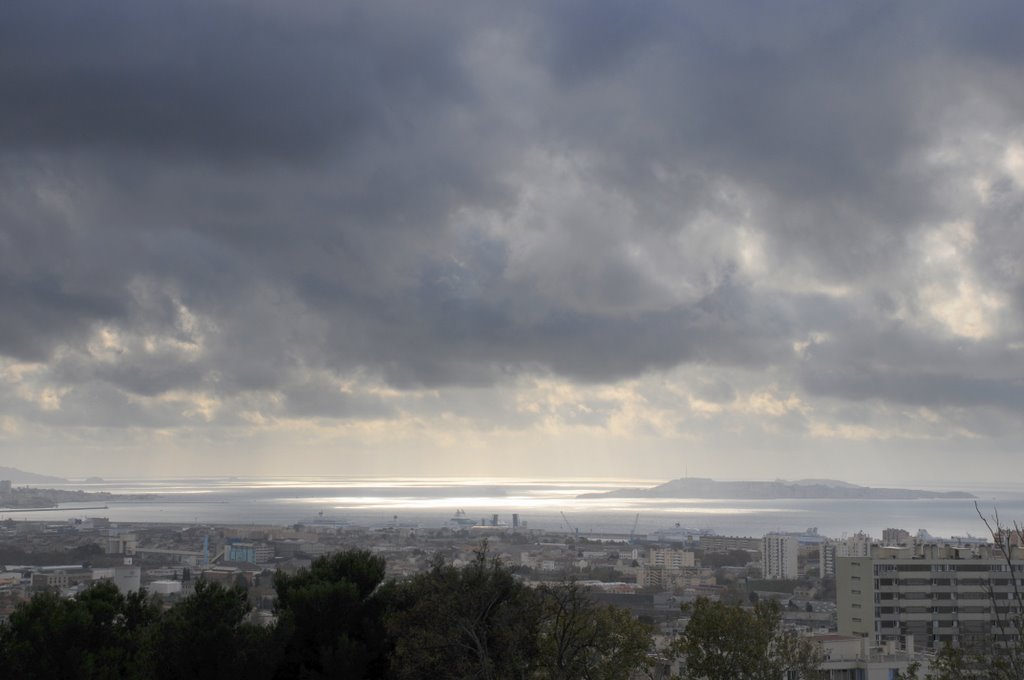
591 238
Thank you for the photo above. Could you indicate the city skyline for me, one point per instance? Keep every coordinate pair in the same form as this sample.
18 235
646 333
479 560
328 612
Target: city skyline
731 241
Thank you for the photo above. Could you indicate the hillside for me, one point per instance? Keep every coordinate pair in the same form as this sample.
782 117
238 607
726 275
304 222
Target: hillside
21 477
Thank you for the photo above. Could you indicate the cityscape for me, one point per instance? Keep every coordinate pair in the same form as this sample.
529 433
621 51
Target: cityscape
537 340
872 605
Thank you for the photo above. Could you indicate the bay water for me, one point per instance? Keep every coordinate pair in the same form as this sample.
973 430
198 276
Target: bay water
540 503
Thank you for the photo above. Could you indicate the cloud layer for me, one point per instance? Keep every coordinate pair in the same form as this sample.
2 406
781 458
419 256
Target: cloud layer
342 228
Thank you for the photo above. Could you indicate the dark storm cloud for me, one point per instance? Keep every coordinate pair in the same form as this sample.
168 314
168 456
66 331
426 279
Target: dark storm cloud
459 194
230 81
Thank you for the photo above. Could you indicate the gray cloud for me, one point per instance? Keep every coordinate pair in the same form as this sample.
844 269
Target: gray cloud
250 198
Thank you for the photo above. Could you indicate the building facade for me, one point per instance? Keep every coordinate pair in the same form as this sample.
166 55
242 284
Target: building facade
937 594
827 560
779 556
669 558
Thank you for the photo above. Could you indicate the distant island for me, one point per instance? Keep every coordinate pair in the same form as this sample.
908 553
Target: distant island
701 487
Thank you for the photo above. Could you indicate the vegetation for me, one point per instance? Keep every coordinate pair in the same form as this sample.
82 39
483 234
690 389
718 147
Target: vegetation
583 640
331 618
474 622
724 642
337 619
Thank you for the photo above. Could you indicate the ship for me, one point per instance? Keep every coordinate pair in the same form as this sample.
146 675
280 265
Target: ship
322 521
461 520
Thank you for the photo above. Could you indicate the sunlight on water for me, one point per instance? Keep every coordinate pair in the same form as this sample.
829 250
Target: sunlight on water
432 501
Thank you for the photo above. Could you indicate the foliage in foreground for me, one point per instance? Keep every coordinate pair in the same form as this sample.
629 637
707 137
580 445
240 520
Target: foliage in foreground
724 642
337 619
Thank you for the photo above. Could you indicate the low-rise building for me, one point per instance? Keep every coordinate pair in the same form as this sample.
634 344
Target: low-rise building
849 657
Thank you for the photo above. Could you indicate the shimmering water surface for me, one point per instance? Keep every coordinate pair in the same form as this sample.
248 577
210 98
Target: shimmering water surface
431 502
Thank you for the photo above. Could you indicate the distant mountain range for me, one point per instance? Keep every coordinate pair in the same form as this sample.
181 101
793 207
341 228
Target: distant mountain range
21 477
700 487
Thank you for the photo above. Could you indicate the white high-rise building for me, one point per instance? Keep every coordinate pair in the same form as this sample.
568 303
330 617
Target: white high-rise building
858 545
778 556
827 559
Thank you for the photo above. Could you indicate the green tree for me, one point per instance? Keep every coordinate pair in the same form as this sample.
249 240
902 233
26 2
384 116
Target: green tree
580 640
97 635
724 642
331 616
472 622
205 637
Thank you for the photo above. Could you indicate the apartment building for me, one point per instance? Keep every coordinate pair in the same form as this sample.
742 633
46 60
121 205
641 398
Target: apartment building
722 544
779 556
896 537
669 558
937 594
858 545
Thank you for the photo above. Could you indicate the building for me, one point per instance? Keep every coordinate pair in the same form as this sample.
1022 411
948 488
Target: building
858 545
895 537
254 553
723 544
50 580
779 556
672 569
121 543
674 579
848 657
127 578
165 587
669 558
937 594
827 560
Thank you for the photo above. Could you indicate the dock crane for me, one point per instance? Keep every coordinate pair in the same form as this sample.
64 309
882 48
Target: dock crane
632 532
568 525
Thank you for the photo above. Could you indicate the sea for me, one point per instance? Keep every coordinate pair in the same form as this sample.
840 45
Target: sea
549 504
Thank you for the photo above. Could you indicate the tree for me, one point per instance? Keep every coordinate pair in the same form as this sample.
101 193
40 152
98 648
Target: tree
723 642
332 618
580 640
472 622
205 637
94 636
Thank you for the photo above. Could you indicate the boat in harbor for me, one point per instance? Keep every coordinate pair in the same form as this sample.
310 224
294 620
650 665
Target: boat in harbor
461 520
322 521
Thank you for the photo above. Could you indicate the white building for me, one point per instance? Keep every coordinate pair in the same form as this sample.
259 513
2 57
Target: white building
165 587
827 559
127 578
778 556
858 545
